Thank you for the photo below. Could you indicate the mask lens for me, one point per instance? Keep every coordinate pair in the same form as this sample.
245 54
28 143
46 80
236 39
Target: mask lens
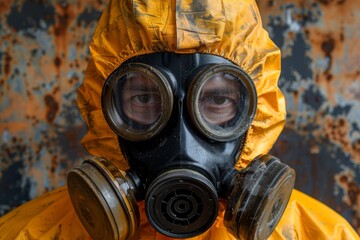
219 100
222 101
137 101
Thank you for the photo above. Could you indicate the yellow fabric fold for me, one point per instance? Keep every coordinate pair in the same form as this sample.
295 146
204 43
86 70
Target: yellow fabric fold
50 216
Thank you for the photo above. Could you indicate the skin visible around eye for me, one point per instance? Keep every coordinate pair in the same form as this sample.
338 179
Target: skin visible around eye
219 99
141 99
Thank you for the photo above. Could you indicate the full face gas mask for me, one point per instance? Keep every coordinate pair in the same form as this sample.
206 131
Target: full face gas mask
182 121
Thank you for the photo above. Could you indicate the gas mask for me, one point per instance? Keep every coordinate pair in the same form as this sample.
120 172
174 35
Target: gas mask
182 121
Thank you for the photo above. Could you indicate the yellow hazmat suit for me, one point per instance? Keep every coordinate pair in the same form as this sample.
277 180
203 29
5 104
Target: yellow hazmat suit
230 29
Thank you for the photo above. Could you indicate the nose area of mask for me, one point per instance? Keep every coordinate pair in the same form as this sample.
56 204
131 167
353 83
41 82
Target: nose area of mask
180 146
181 203
182 175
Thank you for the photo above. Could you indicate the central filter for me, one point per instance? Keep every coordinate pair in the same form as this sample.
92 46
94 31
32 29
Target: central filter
181 203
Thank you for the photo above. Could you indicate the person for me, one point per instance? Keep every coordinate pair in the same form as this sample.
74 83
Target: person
182 107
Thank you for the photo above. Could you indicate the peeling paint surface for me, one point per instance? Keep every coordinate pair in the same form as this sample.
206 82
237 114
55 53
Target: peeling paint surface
321 82
44 53
43 56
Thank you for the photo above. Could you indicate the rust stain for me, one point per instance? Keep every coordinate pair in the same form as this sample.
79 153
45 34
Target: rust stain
56 90
337 130
327 2
5 6
328 46
57 61
52 107
64 15
346 180
7 64
73 79
356 150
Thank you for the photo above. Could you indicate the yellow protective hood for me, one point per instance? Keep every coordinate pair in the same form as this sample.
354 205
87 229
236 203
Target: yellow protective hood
230 28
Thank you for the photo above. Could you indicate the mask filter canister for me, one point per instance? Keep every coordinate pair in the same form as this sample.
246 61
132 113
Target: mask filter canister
181 203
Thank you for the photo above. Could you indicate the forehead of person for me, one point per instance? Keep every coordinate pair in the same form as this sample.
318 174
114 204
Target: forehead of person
231 29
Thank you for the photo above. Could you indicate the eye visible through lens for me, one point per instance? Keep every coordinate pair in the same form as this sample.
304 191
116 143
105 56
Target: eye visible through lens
219 99
140 98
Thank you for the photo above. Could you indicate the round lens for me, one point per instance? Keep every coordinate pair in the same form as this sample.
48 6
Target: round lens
219 99
222 101
137 101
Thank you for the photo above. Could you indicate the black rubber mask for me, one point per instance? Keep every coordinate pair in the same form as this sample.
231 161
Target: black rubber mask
182 121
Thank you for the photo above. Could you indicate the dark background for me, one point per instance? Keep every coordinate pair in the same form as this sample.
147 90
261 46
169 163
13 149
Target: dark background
44 53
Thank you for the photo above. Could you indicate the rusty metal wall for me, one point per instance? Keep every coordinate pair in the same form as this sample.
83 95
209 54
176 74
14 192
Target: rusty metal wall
319 40
43 56
44 52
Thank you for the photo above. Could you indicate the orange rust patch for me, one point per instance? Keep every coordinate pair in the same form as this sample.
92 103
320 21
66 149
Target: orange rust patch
346 180
52 107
